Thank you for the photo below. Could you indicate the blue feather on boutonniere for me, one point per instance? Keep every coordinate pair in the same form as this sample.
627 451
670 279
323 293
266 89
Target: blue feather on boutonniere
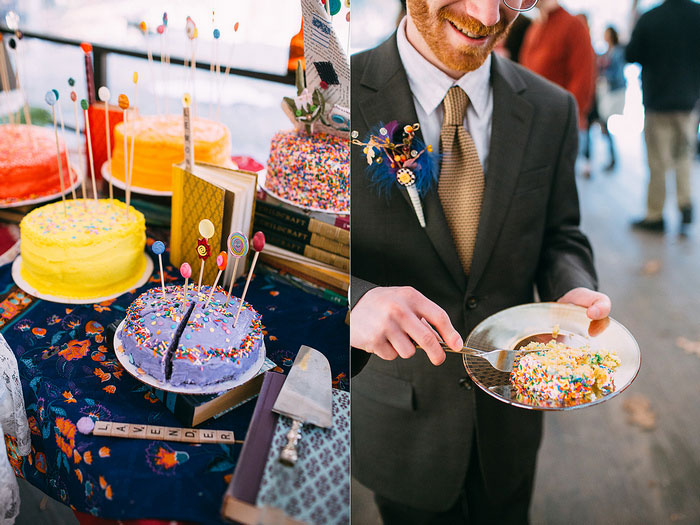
407 162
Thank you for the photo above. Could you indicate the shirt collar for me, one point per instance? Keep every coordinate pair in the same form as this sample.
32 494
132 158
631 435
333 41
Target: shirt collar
429 85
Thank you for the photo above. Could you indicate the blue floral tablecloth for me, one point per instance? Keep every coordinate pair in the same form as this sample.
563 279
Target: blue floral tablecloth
68 370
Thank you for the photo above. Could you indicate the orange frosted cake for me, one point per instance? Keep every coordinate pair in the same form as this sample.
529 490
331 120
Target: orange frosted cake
160 143
28 163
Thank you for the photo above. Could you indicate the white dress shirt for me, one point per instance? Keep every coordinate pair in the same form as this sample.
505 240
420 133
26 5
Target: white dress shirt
429 86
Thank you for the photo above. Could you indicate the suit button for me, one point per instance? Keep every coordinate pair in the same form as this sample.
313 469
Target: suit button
466 383
472 302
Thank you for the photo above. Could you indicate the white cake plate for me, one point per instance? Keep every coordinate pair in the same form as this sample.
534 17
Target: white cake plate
261 182
9 203
183 389
107 175
19 281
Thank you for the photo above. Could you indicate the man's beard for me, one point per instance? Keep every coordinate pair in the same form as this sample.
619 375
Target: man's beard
465 57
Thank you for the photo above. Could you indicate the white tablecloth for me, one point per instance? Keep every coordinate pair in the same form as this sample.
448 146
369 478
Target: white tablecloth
13 421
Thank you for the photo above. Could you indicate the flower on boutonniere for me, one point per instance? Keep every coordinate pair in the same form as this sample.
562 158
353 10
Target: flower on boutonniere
407 161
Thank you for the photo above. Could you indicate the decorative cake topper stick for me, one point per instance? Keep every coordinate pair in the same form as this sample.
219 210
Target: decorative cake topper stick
89 71
88 135
104 94
228 69
12 21
206 230
68 159
158 248
221 262
5 78
186 272
258 245
192 33
408 163
123 101
144 30
187 124
238 246
135 78
74 98
51 99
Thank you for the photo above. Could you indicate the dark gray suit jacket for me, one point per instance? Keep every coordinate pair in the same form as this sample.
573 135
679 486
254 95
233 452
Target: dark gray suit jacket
413 424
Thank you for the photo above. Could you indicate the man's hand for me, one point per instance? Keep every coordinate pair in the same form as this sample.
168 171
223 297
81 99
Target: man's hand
387 321
597 304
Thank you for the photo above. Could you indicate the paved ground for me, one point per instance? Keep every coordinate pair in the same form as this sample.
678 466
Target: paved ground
594 465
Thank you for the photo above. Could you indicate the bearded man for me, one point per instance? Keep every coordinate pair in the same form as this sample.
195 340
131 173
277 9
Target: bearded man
502 221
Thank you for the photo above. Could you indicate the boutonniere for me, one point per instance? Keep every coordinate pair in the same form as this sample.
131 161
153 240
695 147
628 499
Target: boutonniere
407 162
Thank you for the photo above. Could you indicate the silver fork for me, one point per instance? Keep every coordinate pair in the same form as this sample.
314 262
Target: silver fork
503 360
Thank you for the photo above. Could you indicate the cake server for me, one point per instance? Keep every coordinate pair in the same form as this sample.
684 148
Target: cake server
306 397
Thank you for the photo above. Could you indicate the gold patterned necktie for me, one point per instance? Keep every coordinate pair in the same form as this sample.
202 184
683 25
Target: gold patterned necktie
461 184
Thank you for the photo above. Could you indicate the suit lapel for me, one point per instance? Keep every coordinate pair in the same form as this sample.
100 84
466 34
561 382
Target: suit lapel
510 126
391 99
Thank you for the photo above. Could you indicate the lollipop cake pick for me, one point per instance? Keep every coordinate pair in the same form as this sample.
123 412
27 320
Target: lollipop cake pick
84 105
124 105
258 245
158 248
68 159
74 98
206 230
186 272
221 262
238 246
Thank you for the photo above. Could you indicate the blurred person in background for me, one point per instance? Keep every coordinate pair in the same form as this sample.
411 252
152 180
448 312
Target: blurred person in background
558 46
610 88
666 43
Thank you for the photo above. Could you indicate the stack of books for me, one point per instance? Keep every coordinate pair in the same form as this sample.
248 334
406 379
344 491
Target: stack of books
312 245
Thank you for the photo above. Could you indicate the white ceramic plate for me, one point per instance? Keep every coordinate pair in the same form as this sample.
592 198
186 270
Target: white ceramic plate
182 389
19 281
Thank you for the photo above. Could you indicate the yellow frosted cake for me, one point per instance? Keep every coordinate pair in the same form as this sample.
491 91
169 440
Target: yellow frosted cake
89 252
160 143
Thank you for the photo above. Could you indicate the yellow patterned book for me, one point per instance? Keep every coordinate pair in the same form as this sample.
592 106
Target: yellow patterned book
224 196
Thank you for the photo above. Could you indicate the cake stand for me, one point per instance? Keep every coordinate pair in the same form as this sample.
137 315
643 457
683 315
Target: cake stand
261 182
516 326
41 197
25 286
107 175
183 389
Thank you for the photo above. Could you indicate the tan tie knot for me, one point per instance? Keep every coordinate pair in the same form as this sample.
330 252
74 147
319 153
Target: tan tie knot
456 102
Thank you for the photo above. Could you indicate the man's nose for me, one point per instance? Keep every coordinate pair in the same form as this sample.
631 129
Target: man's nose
485 11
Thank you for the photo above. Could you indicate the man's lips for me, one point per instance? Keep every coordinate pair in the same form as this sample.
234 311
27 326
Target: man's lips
468 34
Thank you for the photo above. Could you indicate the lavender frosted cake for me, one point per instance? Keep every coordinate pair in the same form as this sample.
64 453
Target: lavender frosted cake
211 349
194 345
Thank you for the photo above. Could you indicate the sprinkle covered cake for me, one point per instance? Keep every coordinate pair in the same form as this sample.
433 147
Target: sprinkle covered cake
310 170
195 345
160 143
558 375
90 250
28 163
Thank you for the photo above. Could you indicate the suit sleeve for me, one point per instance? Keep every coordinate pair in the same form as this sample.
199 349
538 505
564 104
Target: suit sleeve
566 259
358 288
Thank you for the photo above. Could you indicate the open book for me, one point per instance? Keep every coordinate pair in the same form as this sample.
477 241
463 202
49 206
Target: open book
224 196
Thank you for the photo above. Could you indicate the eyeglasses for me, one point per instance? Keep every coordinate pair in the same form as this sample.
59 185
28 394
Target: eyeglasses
520 5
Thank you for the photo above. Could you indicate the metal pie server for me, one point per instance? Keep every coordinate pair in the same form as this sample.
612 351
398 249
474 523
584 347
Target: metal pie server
306 397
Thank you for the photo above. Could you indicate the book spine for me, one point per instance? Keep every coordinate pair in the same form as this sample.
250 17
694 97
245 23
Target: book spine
282 242
332 232
319 241
280 214
268 224
182 410
323 256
